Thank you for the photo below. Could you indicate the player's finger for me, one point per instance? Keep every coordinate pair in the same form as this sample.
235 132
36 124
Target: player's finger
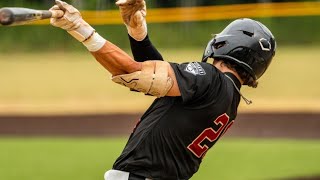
121 2
125 2
72 25
61 4
57 13
59 22
144 9
53 21
134 22
55 7
72 17
66 7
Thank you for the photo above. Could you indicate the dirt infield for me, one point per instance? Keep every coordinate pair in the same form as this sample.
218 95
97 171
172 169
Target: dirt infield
261 125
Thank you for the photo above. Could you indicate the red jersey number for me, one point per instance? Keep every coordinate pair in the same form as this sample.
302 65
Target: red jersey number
210 134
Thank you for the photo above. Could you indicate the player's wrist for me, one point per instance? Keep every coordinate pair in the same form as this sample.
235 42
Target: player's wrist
95 42
84 32
138 33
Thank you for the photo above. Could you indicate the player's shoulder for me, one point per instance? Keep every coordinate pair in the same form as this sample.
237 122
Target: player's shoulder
196 68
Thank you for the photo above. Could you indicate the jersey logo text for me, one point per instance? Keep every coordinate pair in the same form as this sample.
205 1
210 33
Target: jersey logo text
195 69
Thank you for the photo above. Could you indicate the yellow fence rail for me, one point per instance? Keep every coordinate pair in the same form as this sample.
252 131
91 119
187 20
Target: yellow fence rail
208 13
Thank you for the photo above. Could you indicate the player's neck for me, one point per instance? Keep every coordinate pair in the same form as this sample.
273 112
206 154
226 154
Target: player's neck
223 68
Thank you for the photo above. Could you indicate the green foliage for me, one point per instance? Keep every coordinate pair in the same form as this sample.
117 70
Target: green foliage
290 30
109 4
48 38
83 159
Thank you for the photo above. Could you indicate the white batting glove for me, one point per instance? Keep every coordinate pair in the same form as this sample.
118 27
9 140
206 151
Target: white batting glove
72 21
134 13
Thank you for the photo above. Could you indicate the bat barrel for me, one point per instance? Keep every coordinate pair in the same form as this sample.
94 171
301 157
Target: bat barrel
11 16
6 16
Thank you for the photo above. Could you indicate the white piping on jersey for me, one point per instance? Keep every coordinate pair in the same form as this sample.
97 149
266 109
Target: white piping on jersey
248 102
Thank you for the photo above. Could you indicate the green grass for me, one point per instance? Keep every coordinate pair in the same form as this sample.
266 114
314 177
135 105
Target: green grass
83 159
73 82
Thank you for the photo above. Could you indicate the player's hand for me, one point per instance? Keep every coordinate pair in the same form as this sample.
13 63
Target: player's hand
133 13
71 21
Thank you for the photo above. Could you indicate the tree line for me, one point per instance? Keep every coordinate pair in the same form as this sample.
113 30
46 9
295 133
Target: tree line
109 4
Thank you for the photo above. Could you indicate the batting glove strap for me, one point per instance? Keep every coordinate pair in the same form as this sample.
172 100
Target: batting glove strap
84 32
95 42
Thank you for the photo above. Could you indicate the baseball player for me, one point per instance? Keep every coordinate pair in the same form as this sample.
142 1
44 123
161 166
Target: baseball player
196 102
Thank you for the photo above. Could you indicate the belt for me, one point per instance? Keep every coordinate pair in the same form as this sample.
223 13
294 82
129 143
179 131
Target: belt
122 175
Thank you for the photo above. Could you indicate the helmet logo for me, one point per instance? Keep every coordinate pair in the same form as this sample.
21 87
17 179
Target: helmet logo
265 44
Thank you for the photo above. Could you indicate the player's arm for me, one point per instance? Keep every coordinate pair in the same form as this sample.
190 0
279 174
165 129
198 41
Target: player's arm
133 13
153 77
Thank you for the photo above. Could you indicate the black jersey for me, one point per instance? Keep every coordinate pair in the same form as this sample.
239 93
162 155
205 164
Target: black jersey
175 133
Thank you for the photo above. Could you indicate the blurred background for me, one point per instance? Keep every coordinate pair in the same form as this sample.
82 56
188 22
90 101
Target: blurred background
62 118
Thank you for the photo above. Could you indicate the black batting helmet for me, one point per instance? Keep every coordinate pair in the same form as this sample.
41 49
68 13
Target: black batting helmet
247 43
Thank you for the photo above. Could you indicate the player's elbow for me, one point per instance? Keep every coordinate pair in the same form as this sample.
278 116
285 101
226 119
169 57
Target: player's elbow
133 67
150 77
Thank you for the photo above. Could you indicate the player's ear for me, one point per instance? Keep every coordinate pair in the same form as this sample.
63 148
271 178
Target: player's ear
222 64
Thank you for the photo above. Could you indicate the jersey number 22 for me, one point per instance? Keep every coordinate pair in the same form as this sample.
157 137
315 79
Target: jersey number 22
222 122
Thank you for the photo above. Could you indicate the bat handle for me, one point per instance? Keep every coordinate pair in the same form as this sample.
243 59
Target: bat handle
52 14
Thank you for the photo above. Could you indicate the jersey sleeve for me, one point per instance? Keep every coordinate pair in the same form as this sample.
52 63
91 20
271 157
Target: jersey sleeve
197 81
144 50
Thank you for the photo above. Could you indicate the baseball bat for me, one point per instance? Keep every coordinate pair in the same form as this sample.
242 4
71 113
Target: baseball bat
12 16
